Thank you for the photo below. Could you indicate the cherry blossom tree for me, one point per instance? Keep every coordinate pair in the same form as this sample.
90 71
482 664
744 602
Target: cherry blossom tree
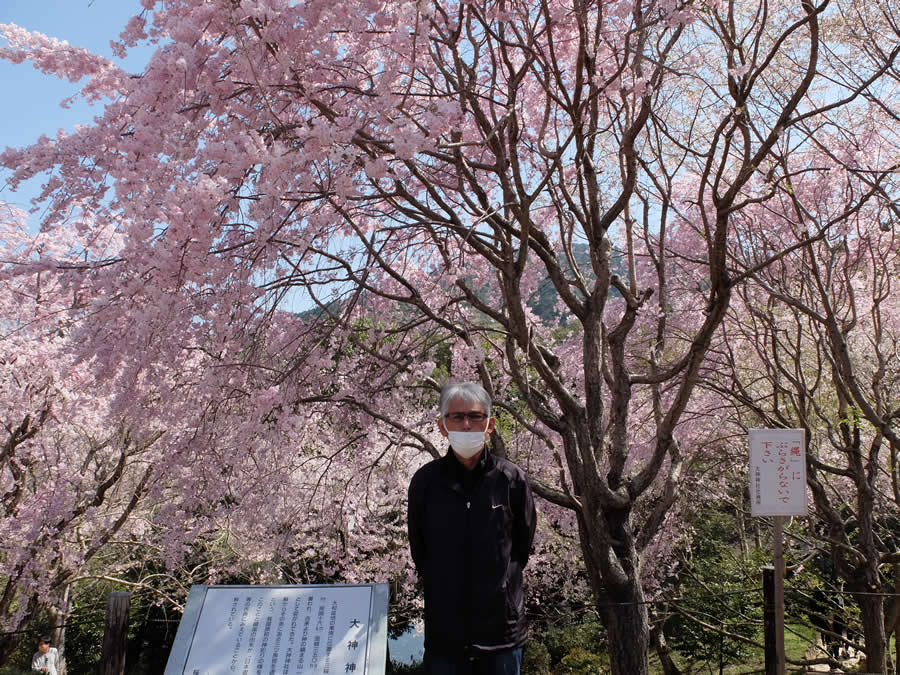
318 207
812 344
812 340
98 481
101 483
70 477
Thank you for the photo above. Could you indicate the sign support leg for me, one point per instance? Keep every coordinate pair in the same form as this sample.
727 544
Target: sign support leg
779 594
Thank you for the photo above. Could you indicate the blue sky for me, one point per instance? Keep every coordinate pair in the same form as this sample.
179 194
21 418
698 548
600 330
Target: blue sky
31 99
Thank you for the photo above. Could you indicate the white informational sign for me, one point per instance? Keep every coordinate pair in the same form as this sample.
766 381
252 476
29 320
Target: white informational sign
284 630
777 472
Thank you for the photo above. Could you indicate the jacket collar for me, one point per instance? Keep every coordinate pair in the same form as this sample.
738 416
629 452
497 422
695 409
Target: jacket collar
457 470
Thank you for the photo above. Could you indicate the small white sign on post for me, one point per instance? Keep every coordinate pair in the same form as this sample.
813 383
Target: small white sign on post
777 472
777 488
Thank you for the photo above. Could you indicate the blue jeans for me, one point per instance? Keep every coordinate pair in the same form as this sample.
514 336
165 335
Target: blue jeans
506 662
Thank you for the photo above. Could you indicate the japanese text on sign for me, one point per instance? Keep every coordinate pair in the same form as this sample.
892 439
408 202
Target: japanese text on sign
289 631
777 472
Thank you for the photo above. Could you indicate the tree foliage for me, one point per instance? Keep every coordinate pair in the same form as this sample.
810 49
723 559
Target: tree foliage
272 234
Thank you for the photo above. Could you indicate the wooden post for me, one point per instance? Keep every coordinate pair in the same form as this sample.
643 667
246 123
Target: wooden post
779 594
721 647
768 573
115 634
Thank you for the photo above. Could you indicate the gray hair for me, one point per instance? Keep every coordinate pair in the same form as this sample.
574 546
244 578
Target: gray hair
470 392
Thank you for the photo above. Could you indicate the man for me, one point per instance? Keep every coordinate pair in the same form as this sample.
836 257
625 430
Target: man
45 658
471 524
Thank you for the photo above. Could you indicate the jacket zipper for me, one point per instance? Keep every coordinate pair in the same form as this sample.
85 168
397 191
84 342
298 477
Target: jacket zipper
467 582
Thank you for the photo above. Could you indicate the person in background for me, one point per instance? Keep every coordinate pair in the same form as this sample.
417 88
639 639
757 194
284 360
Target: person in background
471 520
45 658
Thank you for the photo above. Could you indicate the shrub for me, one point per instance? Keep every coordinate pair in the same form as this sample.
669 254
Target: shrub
580 661
587 635
536 659
406 668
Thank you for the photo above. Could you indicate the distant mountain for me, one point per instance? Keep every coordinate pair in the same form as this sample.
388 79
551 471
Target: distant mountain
543 301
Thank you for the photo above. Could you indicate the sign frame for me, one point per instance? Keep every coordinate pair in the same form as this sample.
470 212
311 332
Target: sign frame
376 640
772 450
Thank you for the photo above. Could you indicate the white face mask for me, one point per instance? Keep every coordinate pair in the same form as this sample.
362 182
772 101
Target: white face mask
466 444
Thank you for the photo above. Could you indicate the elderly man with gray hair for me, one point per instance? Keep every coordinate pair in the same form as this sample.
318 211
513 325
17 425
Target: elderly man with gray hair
471 524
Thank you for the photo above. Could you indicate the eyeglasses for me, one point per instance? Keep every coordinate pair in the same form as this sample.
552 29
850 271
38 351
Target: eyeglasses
460 417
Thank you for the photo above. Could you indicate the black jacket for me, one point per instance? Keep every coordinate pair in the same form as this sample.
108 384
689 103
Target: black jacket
470 535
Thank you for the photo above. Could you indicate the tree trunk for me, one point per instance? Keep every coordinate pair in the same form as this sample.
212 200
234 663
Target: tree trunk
614 573
872 615
892 627
658 638
10 641
628 633
58 617
8 645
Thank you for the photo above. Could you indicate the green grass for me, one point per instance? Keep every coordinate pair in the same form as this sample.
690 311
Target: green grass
797 639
